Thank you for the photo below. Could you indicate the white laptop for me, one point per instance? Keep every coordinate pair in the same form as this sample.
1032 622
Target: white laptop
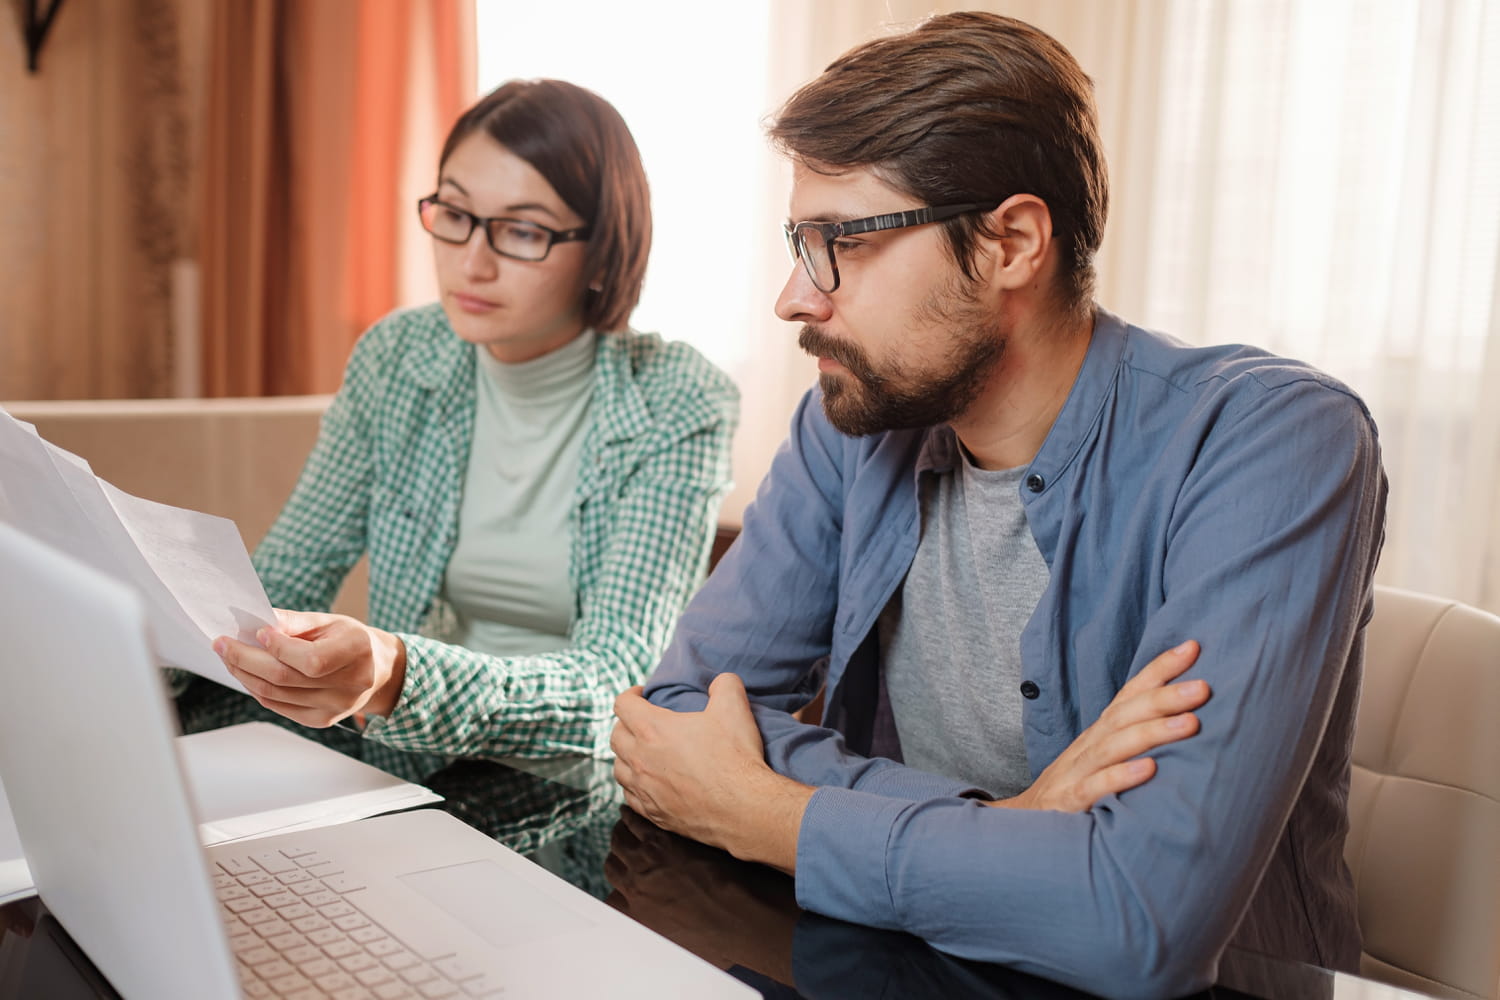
416 904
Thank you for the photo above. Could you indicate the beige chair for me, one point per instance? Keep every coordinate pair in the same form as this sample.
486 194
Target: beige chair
1424 806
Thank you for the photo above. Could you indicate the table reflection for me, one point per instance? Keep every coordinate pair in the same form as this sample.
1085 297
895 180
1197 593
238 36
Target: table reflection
557 811
744 918
728 912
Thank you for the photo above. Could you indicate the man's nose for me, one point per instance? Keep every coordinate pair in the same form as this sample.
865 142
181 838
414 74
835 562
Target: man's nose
800 300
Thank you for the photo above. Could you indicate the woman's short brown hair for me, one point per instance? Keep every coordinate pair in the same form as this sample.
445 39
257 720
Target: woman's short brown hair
580 144
965 107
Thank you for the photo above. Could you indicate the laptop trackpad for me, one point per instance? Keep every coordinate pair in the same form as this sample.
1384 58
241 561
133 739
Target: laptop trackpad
495 904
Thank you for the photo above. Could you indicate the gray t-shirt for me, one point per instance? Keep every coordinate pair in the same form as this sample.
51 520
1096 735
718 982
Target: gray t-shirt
950 638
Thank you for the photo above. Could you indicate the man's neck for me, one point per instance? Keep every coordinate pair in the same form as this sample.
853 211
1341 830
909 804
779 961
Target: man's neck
1005 426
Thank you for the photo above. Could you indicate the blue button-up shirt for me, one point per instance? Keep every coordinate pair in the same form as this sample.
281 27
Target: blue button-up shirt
1218 494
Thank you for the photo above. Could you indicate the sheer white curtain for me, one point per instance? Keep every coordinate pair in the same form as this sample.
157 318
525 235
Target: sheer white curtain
1318 177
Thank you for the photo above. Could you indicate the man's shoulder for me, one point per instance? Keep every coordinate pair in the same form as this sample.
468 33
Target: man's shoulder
1225 377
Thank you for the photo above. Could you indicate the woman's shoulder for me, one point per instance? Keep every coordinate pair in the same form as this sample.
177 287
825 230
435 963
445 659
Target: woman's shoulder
416 343
404 328
664 368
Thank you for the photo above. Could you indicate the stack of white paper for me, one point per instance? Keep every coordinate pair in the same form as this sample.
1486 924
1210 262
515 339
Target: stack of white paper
249 781
190 568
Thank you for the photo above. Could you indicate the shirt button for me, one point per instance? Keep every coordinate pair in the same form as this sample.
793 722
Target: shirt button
1035 484
1029 690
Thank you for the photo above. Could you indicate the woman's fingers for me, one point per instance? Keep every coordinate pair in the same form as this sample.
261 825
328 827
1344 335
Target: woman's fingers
262 665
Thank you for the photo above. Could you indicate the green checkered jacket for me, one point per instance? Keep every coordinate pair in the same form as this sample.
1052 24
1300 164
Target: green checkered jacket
386 475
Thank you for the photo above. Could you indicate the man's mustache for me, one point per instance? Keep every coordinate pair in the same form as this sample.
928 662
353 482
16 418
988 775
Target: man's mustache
820 345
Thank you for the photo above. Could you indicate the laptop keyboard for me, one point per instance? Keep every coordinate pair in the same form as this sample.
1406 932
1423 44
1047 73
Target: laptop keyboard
297 931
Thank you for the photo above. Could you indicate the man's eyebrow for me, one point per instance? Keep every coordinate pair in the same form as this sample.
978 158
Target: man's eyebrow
836 217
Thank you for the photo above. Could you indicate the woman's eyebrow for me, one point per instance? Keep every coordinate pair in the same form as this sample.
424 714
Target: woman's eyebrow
524 206
531 206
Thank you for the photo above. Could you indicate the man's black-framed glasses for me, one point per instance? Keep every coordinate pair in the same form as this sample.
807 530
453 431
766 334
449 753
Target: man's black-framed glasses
812 242
515 238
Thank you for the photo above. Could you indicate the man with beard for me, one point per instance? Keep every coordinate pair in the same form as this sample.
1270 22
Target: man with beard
1003 520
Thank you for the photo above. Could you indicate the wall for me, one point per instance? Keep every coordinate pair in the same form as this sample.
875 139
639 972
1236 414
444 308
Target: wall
97 196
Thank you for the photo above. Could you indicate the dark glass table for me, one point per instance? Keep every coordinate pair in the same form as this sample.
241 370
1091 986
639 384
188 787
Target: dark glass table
568 816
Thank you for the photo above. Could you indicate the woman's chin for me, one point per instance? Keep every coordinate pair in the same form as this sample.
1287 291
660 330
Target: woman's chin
472 330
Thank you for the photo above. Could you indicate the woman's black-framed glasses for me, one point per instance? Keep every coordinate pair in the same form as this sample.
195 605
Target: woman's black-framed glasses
812 242
515 238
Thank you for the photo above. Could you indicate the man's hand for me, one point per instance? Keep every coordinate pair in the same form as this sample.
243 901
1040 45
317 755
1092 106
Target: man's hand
704 775
317 669
1148 712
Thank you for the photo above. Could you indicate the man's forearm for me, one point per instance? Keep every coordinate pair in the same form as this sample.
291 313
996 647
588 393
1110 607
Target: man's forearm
763 822
818 757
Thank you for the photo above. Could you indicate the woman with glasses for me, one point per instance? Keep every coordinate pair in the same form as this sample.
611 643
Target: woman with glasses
535 483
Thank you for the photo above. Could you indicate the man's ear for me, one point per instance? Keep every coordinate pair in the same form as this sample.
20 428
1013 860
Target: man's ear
1018 255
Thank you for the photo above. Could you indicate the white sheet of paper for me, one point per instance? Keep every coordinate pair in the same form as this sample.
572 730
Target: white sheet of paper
253 780
34 497
191 568
177 640
257 778
203 562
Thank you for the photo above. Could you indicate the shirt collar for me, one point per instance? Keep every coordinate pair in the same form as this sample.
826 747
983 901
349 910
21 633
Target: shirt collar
1085 404
623 413
1075 422
555 376
433 365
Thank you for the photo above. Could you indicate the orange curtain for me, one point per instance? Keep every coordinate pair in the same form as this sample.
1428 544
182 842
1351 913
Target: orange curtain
318 115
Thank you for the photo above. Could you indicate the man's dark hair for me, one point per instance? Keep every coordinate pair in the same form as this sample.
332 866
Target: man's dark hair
580 144
965 107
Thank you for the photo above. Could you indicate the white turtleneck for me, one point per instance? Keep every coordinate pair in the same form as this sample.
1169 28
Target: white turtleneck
507 579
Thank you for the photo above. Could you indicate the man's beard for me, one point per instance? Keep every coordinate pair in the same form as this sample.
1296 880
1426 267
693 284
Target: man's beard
871 399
